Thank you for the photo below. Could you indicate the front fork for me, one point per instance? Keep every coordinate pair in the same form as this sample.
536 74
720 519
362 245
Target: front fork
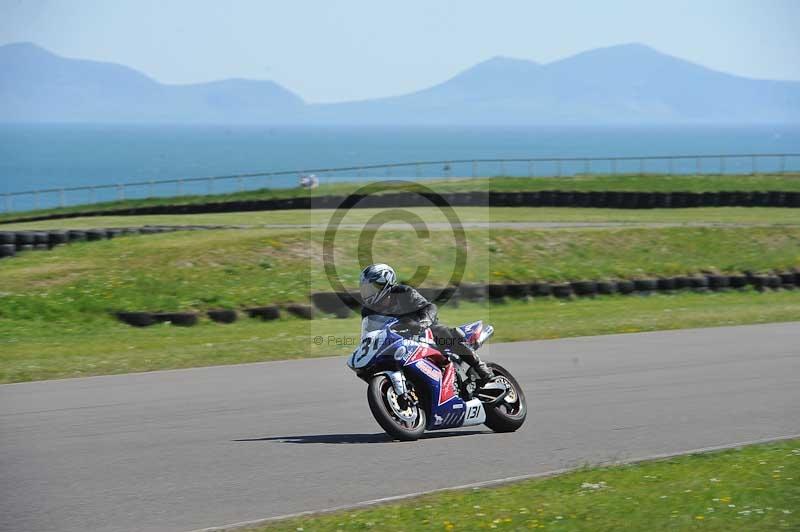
400 386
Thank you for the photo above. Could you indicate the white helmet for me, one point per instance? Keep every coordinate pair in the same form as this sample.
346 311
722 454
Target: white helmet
376 282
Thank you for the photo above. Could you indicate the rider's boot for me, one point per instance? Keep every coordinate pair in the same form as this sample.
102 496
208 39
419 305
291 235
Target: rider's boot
469 356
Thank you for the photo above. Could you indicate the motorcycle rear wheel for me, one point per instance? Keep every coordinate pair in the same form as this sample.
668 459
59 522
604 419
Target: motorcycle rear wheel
508 415
405 425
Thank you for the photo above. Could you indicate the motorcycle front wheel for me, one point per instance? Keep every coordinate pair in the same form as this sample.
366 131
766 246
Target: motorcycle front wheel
403 422
509 414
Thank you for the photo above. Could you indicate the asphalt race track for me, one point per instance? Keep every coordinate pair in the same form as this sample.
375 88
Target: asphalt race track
187 449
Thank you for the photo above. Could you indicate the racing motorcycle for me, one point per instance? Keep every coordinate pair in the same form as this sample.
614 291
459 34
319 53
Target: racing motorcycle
414 386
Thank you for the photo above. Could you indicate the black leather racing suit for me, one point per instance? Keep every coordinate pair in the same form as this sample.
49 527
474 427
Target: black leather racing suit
405 303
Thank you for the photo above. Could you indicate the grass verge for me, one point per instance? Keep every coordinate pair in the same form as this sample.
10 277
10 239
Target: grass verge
707 215
633 183
751 488
239 268
48 349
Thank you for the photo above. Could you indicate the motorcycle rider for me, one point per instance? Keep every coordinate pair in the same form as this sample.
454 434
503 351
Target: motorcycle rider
381 294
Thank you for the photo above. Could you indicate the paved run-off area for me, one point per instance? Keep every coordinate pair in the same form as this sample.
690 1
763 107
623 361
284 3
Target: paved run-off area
184 449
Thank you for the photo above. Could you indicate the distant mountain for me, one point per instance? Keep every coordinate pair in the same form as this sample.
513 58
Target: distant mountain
38 86
626 84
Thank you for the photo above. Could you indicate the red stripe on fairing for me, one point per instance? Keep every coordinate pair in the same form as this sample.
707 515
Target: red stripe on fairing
447 389
473 338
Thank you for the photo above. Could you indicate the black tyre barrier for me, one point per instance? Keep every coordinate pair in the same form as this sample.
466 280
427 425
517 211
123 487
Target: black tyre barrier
584 288
271 312
666 284
562 291
57 238
541 289
222 315
128 231
683 282
113 233
773 282
93 235
718 282
24 239
626 287
181 319
329 303
137 319
699 283
517 291
471 292
41 247
759 282
645 286
544 198
40 237
496 291
797 278
8 250
305 312
351 300
606 287
25 247
76 236
787 279
738 281
7 238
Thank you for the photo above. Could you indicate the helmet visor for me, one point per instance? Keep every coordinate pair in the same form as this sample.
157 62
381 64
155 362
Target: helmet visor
372 292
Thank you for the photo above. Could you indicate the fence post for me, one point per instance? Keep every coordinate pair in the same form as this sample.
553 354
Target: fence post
120 192
210 185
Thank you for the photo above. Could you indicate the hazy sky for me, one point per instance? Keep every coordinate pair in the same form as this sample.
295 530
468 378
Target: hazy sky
329 50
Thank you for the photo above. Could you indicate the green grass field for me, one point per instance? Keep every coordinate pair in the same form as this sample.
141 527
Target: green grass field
754 488
700 215
48 348
635 183
235 268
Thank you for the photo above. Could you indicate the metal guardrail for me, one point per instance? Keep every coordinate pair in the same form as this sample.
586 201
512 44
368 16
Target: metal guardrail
727 164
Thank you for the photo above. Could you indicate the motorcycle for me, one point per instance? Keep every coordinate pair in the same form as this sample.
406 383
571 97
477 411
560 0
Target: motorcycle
413 386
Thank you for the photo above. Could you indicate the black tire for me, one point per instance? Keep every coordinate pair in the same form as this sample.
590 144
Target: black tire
738 281
541 289
264 313
56 238
380 395
181 319
496 291
472 292
718 282
507 417
584 288
606 287
40 238
7 250
329 303
645 286
625 287
305 312
222 315
666 284
137 319
562 291
93 235
7 238
517 291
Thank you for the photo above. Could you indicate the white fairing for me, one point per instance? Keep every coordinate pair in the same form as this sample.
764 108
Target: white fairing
373 323
475 414
371 343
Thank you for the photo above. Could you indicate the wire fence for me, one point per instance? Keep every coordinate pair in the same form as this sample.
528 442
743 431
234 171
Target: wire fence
725 164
